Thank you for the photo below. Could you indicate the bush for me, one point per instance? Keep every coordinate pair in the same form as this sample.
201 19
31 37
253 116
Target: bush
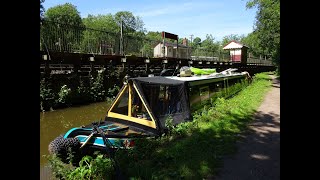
97 90
98 167
47 96
64 96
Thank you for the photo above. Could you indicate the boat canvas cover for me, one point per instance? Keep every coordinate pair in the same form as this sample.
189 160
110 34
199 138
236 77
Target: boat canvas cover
165 97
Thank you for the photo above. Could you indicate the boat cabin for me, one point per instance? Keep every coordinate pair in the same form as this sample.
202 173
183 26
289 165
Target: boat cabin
147 102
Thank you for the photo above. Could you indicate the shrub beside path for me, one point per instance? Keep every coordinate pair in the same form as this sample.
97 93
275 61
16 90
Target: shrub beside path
258 155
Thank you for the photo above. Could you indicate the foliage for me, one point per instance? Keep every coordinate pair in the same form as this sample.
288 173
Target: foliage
64 14
82 93
64 95
93 91
59 27
113 91
156 36
209 45
101 31
47 96
151 40
93 168
267 27
196 41
97 90
59 169
101 22
98 167
252 41
169 124
232 37
130 23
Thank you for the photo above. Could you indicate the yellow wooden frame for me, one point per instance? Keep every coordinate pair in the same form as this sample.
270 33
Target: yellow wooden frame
117 99
129 117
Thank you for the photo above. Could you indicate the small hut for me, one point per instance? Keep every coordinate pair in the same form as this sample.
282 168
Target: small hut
238 52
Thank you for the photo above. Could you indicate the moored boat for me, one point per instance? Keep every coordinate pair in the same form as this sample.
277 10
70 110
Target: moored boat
142 107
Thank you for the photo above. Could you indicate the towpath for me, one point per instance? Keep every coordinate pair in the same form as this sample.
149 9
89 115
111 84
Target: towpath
258 156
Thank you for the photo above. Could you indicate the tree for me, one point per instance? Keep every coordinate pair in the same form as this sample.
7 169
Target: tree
62 28
209 47
130 23
252 41
267 27
101 34
155 36
196 41
151 40
64 14
232 37
133 31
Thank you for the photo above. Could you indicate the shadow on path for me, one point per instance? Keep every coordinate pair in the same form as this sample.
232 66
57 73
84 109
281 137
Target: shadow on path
258 155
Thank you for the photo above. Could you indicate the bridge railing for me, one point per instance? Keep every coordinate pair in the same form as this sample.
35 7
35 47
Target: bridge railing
81 39
66 38
258 61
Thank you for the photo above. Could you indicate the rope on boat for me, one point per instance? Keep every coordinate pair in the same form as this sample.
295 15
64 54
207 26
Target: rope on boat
108 146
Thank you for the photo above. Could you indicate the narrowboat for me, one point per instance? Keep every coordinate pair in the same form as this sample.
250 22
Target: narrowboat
142 106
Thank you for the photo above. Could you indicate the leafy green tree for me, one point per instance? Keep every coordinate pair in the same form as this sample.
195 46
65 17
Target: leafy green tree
101 34
196 41
208 47
62 28
267 27
64 14
133 32
154 35
232 37
101 22
130 23
252 41
151 39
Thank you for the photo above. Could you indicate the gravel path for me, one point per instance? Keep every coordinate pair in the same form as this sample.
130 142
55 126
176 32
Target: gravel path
258 156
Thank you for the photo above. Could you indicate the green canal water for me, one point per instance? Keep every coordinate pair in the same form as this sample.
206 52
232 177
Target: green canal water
55 123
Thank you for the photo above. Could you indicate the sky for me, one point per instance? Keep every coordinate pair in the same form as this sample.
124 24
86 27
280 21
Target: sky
182 17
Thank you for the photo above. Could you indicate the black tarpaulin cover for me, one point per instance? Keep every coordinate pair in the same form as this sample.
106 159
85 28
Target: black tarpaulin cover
165 97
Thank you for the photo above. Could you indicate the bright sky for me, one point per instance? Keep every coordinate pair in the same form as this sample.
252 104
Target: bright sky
181 17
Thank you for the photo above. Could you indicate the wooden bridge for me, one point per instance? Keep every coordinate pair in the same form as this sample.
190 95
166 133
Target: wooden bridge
52 63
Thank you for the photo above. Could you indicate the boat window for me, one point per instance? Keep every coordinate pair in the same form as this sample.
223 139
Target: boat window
138 110
204 93
121 107
171 101
163 99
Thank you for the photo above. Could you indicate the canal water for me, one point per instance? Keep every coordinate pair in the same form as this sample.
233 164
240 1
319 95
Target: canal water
55 123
